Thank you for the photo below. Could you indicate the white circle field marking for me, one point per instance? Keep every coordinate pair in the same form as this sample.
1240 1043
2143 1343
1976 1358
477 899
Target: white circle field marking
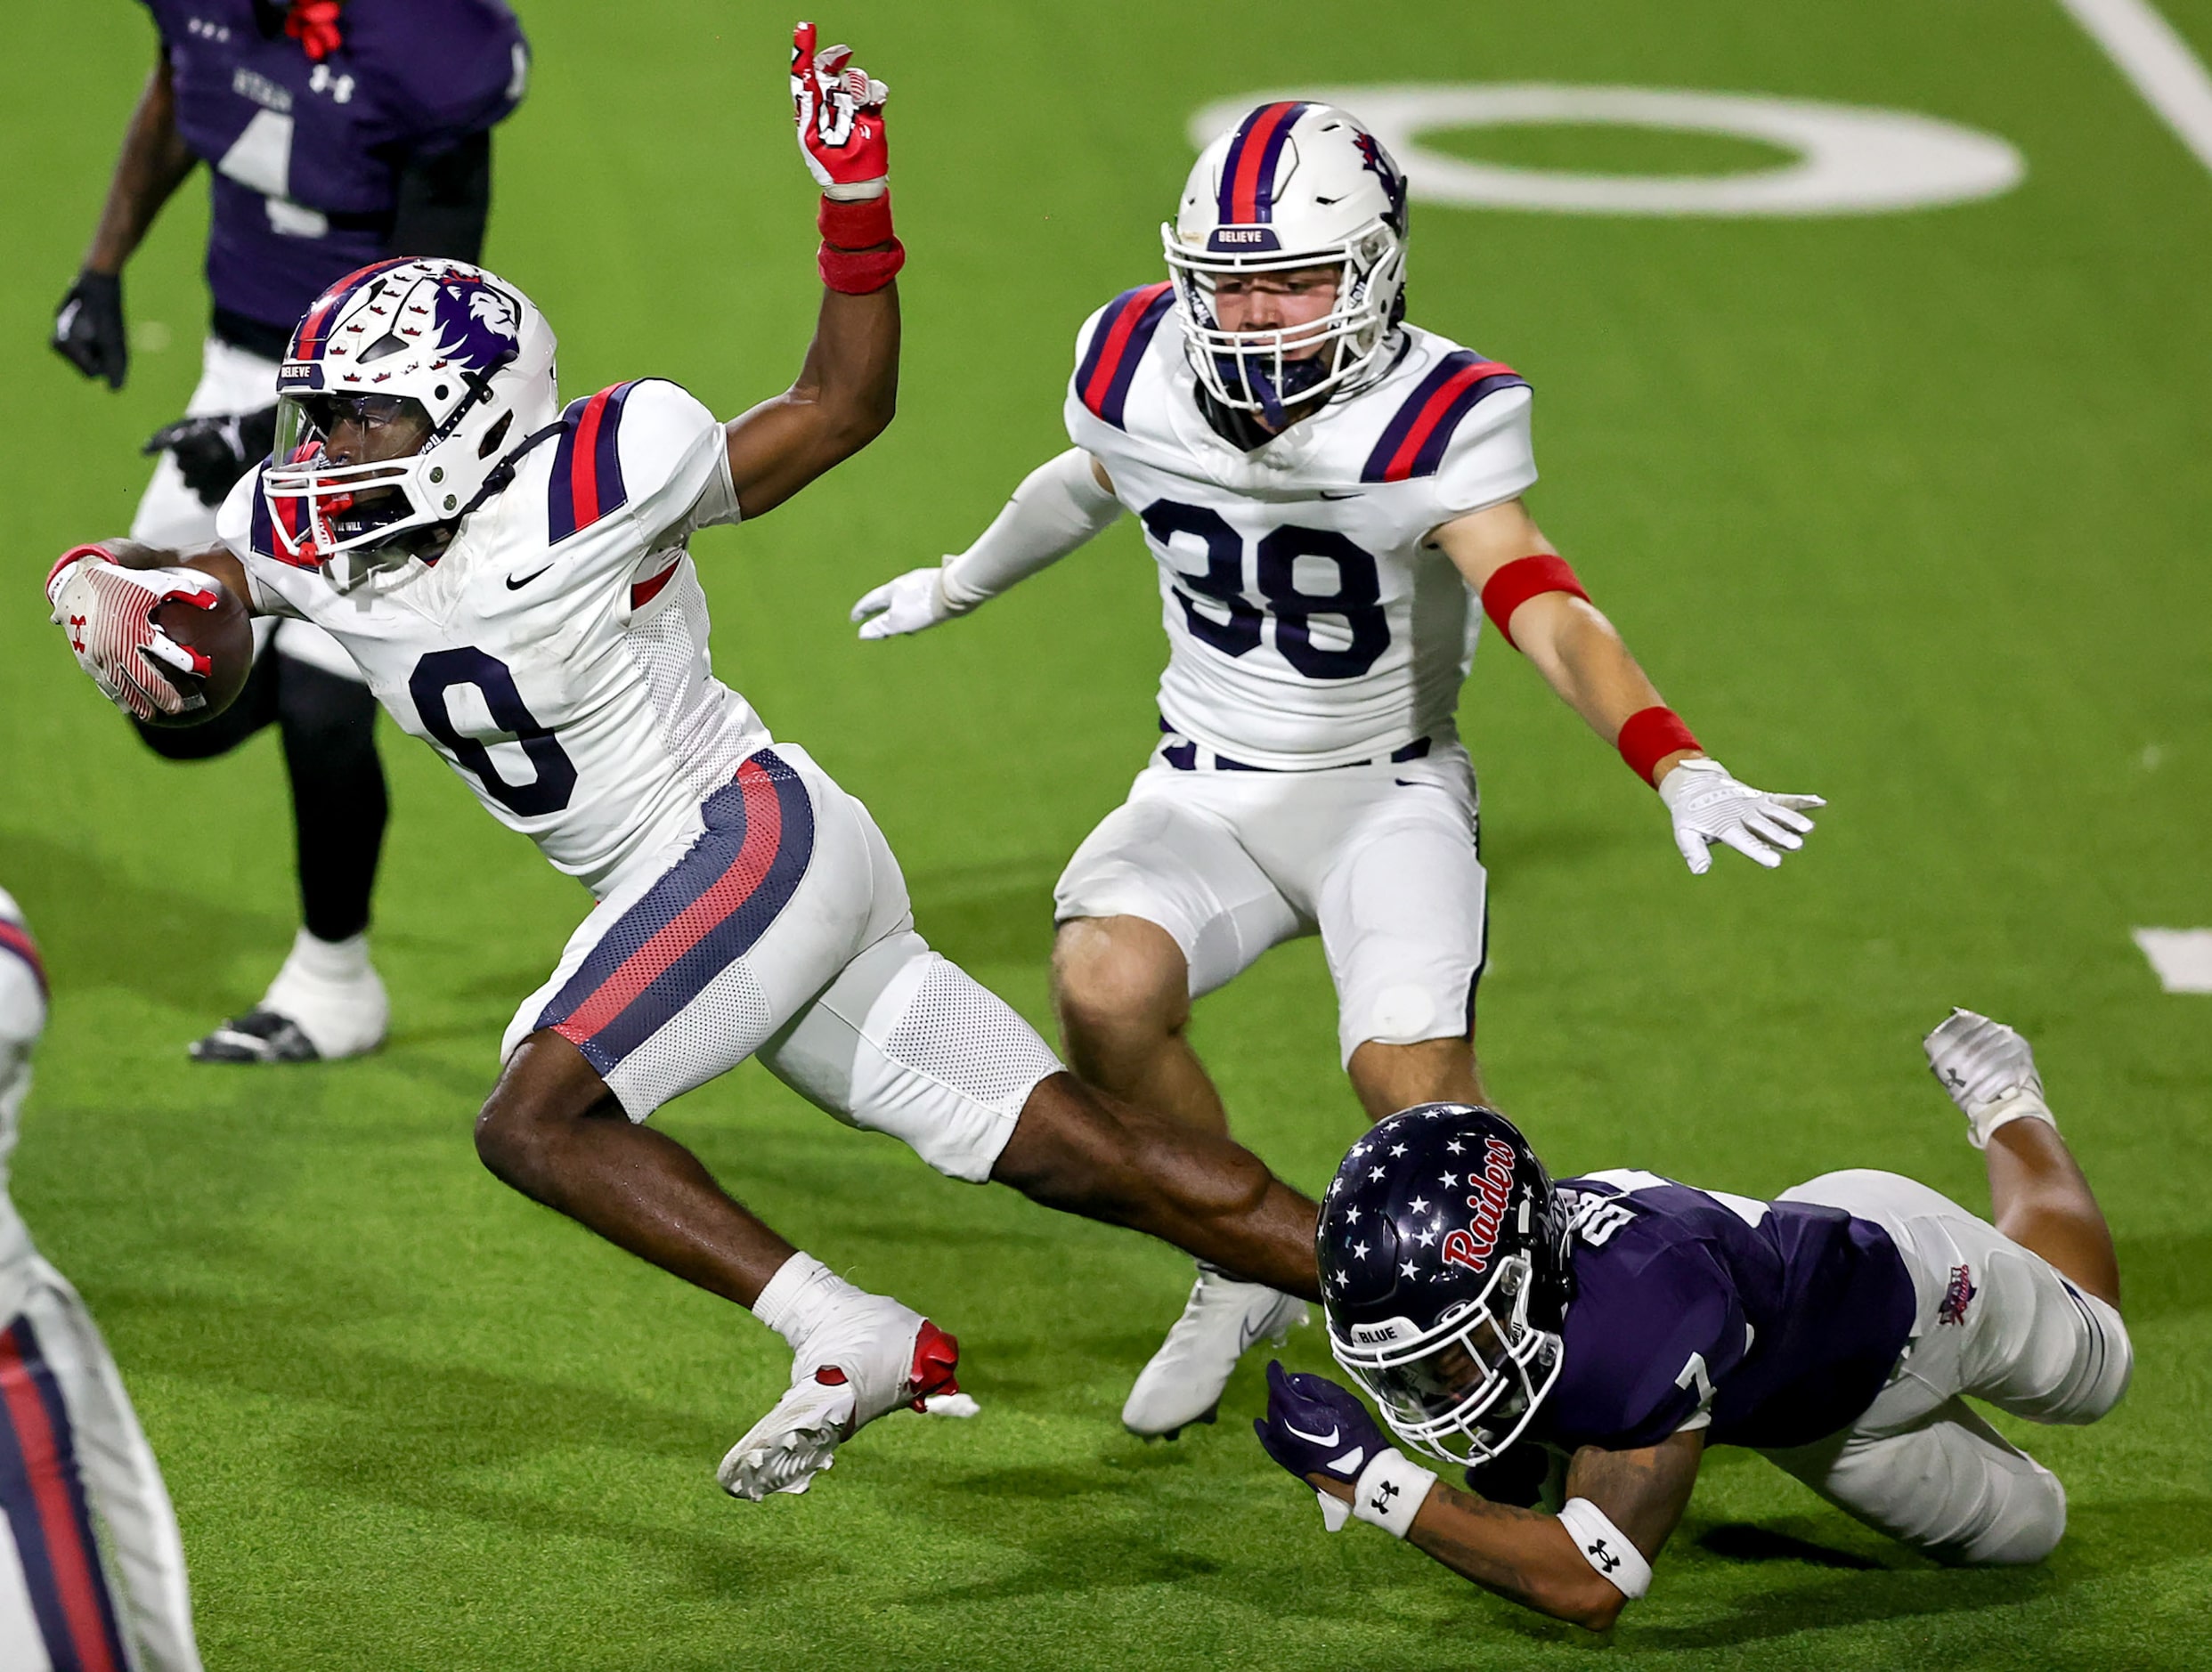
1848 160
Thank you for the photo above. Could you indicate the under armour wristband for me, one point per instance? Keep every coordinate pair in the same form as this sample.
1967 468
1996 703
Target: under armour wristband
1391 1491
1648 736
70 557
1606 1547
1523 578
847 261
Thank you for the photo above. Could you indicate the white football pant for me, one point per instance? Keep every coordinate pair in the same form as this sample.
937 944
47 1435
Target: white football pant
778 923
1994 1322
1380 859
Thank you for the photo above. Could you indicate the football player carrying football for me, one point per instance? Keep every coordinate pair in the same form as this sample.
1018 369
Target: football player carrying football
333 135
1323 485
513 578
95 1563
1626 1324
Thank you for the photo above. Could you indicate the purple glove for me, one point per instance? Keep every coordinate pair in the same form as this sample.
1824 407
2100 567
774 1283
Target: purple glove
1313 1427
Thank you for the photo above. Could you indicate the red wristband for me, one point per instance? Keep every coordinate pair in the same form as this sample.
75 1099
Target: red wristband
858 271
1523 578
856 225
1649 735
72 555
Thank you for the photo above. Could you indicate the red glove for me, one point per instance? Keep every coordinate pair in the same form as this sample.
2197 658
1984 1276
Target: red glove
840 113
107 613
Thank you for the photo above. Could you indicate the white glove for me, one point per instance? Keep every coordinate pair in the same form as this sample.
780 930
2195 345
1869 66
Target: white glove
107 611
914 601
1709 805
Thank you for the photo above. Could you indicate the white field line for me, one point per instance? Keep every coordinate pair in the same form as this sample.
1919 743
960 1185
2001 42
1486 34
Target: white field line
2181 958
2153 55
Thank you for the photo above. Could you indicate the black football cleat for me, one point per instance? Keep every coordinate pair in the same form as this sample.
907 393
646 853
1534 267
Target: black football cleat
258 1036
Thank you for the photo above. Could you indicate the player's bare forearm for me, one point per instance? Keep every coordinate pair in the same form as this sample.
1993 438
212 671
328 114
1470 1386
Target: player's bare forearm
1576 649
845 396
1583 657
214 560
1523 1554
1529 1557
154 163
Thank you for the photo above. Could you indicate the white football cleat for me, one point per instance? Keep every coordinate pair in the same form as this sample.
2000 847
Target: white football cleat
325 1003
1990 1072
1182 1383
865 1359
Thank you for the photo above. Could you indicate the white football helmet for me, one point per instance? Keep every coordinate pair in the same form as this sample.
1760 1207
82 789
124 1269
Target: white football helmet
1297 185
429 348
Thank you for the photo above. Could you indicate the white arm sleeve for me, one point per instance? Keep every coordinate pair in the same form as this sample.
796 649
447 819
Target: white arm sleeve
1057 507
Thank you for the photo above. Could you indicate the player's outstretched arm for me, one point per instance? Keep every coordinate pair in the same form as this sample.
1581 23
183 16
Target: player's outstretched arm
1533 598
89 329
1059 506
1583 1565
848 388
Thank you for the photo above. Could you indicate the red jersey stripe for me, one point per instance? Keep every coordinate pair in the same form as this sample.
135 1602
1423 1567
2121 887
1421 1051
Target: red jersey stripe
583 483
1117 334
73 1560
764 831
1431 414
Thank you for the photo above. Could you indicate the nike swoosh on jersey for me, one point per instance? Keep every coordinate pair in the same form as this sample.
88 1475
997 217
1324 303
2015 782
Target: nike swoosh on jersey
1329 1438
1354 494
515 583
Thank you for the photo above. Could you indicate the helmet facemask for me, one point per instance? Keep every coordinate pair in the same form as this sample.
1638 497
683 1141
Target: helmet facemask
1270 372
407 387
1465 1389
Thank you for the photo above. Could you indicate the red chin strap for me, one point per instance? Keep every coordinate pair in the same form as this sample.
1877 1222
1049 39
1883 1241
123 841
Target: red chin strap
314 25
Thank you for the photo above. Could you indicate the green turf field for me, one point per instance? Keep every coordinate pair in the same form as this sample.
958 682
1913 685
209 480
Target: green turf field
1909 510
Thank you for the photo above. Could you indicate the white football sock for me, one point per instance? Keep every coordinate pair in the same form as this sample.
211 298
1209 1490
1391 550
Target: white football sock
803 1290
334 962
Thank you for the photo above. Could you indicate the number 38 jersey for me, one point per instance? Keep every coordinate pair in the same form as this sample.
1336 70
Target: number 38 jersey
1309 622
556 652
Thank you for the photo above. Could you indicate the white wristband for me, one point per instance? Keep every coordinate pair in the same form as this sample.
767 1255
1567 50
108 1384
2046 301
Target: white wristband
1606 1547
1391 1491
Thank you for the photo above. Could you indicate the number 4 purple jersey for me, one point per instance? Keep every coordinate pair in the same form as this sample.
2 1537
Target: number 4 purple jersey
306 156
1775 1322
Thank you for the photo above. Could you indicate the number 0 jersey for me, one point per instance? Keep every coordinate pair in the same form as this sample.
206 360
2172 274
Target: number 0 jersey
556 652
1308 623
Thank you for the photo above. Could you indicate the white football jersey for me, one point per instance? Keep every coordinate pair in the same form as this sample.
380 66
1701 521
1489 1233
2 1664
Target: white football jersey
22 1018
1308 624
556 652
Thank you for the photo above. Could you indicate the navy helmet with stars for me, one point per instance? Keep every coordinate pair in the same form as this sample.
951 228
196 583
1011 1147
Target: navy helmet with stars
1445 1277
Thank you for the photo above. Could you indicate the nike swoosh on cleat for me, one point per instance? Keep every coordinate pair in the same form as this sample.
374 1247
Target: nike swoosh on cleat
515 583
1319 1440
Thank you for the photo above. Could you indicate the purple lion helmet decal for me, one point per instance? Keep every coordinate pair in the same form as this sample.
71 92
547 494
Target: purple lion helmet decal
479 325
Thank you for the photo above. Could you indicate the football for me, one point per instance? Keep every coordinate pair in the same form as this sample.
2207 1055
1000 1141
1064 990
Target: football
224 635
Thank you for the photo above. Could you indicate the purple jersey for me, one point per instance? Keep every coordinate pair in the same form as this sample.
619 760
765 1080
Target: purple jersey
1780 1319
307 157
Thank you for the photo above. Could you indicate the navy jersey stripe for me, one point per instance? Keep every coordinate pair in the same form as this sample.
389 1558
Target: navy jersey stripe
1414 442
1124 331
587 480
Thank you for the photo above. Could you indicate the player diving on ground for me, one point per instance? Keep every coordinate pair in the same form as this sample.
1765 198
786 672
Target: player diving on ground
1323 486
512 578
1622 1325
